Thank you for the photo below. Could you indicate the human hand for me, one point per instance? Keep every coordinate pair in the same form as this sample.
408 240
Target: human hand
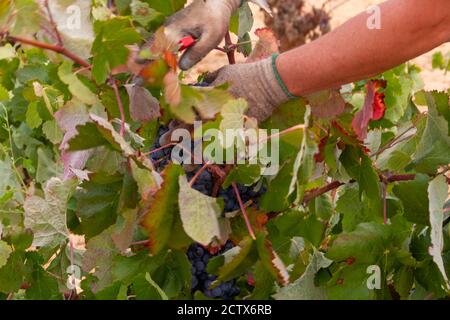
207 21
255 82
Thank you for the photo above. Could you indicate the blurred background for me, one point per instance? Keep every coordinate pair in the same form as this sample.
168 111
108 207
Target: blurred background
296 22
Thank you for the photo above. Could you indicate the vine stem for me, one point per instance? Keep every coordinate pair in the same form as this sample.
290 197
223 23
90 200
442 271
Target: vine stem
336 184
384 189
54 26
229 45
199 172
159 149
120 104
55 48
244 211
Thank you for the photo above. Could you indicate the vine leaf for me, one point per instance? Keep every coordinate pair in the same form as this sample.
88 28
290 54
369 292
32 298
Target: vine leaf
266 46
76 87
326 104
99 255
366 244
143 106
438 194
68 118
434 147
125 227
245 256
46 217
111 36
5 252
160 216
172 89
271 260
200 215
373 109
304 287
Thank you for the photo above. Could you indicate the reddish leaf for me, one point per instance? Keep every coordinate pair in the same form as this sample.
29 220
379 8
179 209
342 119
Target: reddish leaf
326 104
143 106
373 108
171 60
266 45
172 90
160 216
320 155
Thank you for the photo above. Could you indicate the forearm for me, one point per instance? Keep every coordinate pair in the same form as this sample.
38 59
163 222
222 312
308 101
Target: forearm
354 52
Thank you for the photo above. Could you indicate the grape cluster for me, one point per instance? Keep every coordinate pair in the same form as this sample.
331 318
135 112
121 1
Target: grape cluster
201 280
247 193
204 182
161 157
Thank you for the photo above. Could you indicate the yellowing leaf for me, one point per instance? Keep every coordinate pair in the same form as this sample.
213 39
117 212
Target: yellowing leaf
76 87
199 214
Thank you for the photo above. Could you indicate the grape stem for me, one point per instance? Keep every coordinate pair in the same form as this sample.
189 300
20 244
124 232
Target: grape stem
229 44
53 24
244 212
199 172
120 104
159 149
336 184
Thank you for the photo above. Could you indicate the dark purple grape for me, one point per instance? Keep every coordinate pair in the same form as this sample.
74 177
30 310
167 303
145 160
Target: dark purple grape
202 281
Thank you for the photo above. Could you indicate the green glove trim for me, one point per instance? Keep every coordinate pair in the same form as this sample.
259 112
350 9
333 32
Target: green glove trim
278 77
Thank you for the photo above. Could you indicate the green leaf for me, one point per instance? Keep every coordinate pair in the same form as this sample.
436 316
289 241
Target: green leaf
142 13
433 149
52 131
304 288
112 36
437 195
5 251
46 217
27 18
76 87
33 119
350 283
87 137
155 285
99 255
243 174
168 7
270 259
245 257
413 195
160 217
365 245
200 214
12 273
404 281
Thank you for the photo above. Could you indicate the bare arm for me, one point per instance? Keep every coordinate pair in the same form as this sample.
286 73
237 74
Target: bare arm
353 52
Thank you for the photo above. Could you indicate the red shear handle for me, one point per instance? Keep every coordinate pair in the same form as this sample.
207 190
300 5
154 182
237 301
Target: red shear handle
186 43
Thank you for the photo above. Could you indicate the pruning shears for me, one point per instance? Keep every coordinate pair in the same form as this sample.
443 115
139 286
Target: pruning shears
186 43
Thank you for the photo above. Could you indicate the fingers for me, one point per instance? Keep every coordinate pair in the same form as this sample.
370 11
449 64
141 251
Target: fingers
207 42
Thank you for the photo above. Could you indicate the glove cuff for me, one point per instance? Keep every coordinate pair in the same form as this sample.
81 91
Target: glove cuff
271 91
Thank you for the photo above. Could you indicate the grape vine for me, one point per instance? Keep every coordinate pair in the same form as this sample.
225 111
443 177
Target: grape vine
87 154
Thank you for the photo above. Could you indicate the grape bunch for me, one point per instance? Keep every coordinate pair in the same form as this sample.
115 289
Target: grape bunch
161 157
204 182
201 280
247 193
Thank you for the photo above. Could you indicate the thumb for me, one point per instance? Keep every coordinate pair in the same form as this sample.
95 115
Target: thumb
208 41
211 77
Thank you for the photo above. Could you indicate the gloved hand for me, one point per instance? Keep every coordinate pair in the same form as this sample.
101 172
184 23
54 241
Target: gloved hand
259 83
207 21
